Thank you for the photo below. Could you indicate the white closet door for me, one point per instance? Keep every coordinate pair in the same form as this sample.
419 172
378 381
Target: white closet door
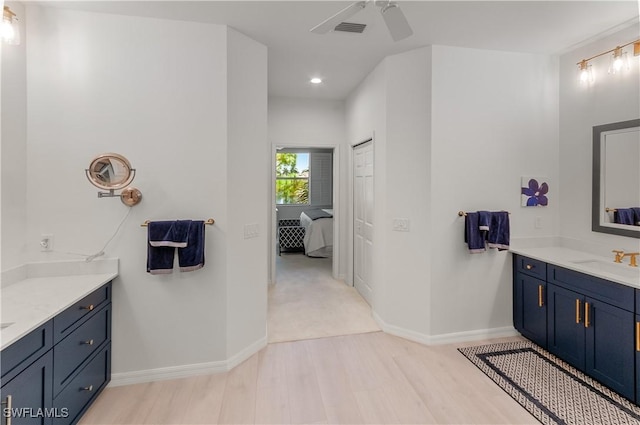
363 218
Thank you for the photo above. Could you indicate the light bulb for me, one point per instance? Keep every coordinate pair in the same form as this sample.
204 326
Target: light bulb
585 73
619 60
316 80
9 32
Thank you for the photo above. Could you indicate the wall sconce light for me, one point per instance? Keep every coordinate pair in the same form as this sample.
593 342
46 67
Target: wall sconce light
618 61
585 72
10 30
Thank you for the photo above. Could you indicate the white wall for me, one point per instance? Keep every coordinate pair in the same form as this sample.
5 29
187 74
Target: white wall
158 92
248 192
13 149
495 119
611 98
455 130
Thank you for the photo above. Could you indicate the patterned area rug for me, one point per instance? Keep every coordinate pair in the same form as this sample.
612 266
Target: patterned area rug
550 389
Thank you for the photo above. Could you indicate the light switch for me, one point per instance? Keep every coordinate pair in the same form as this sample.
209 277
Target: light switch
401 224
251 231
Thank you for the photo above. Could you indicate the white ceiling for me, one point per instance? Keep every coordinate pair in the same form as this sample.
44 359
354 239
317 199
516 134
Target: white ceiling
343 59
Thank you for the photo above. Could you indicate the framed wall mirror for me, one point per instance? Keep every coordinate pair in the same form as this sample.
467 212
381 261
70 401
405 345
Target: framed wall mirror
616 178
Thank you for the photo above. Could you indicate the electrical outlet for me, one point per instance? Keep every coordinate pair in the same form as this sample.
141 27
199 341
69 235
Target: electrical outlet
538 223
46 242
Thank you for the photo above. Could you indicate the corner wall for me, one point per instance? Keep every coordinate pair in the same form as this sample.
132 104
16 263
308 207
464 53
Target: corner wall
455 129
179 101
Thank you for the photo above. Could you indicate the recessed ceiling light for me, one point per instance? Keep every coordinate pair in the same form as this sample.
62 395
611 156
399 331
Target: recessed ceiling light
316 80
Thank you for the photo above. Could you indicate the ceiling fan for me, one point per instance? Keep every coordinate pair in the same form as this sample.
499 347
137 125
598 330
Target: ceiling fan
393 17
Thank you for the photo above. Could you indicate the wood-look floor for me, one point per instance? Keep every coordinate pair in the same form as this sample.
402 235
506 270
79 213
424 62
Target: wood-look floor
354 378
370 378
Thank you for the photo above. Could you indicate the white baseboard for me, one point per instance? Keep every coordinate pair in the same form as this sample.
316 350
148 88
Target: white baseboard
185 371
449 338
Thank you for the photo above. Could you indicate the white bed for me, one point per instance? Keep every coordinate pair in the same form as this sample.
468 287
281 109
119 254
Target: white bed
318 236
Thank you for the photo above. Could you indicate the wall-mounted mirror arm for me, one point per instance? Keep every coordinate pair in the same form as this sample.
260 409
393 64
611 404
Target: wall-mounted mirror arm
111 172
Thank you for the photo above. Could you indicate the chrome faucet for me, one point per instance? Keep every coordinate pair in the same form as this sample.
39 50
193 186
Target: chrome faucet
619 255
632 258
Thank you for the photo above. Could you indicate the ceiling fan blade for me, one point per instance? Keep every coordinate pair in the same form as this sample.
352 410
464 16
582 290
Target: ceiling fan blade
396 22
339 17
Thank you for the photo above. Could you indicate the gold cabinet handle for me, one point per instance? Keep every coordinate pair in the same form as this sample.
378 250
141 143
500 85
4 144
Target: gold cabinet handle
89 342
89 307
9 414
577 311
637 336
528 267
586 315
89 388
540 301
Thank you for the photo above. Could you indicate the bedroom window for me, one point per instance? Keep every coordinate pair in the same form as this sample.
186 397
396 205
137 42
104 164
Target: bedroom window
292 178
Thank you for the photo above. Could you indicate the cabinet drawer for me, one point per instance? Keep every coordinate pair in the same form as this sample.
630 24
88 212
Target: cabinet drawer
84 387
638 302
600 289
531 267
26 350
65 322
69 353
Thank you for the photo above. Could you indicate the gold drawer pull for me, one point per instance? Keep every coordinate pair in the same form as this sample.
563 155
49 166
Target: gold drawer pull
540 301
90 342
586 315
577 311
7 409
637 336
89 307
89 388
528 267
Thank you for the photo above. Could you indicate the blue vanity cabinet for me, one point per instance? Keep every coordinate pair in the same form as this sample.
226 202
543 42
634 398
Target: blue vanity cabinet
530 299
591 326
27 375
55 372
566 325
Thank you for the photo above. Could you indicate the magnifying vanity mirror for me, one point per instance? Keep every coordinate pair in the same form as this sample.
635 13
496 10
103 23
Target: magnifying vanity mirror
112 171
616 179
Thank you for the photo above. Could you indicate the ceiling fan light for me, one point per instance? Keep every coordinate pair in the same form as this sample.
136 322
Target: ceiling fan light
396 22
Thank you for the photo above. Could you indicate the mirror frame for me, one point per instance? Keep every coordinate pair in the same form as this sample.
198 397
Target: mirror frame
596 208
114 186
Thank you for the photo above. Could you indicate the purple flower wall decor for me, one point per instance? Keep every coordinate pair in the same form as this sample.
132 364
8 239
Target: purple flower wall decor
534 192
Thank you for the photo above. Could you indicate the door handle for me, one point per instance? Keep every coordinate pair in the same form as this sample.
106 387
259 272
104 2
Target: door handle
577 311
540 301
586 315
637 336
7 409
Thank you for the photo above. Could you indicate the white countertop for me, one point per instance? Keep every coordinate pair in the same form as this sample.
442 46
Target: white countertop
32 301
584 262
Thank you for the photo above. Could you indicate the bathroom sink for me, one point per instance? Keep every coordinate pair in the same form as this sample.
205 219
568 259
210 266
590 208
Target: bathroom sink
622 270
6 325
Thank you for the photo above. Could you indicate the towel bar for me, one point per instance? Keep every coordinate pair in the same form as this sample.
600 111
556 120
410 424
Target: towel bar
610 209
464 214
208 222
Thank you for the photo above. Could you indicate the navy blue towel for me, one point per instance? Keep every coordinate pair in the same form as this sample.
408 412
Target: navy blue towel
472 235
484 220
169 233
636 215
498 236
623 216
191 257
